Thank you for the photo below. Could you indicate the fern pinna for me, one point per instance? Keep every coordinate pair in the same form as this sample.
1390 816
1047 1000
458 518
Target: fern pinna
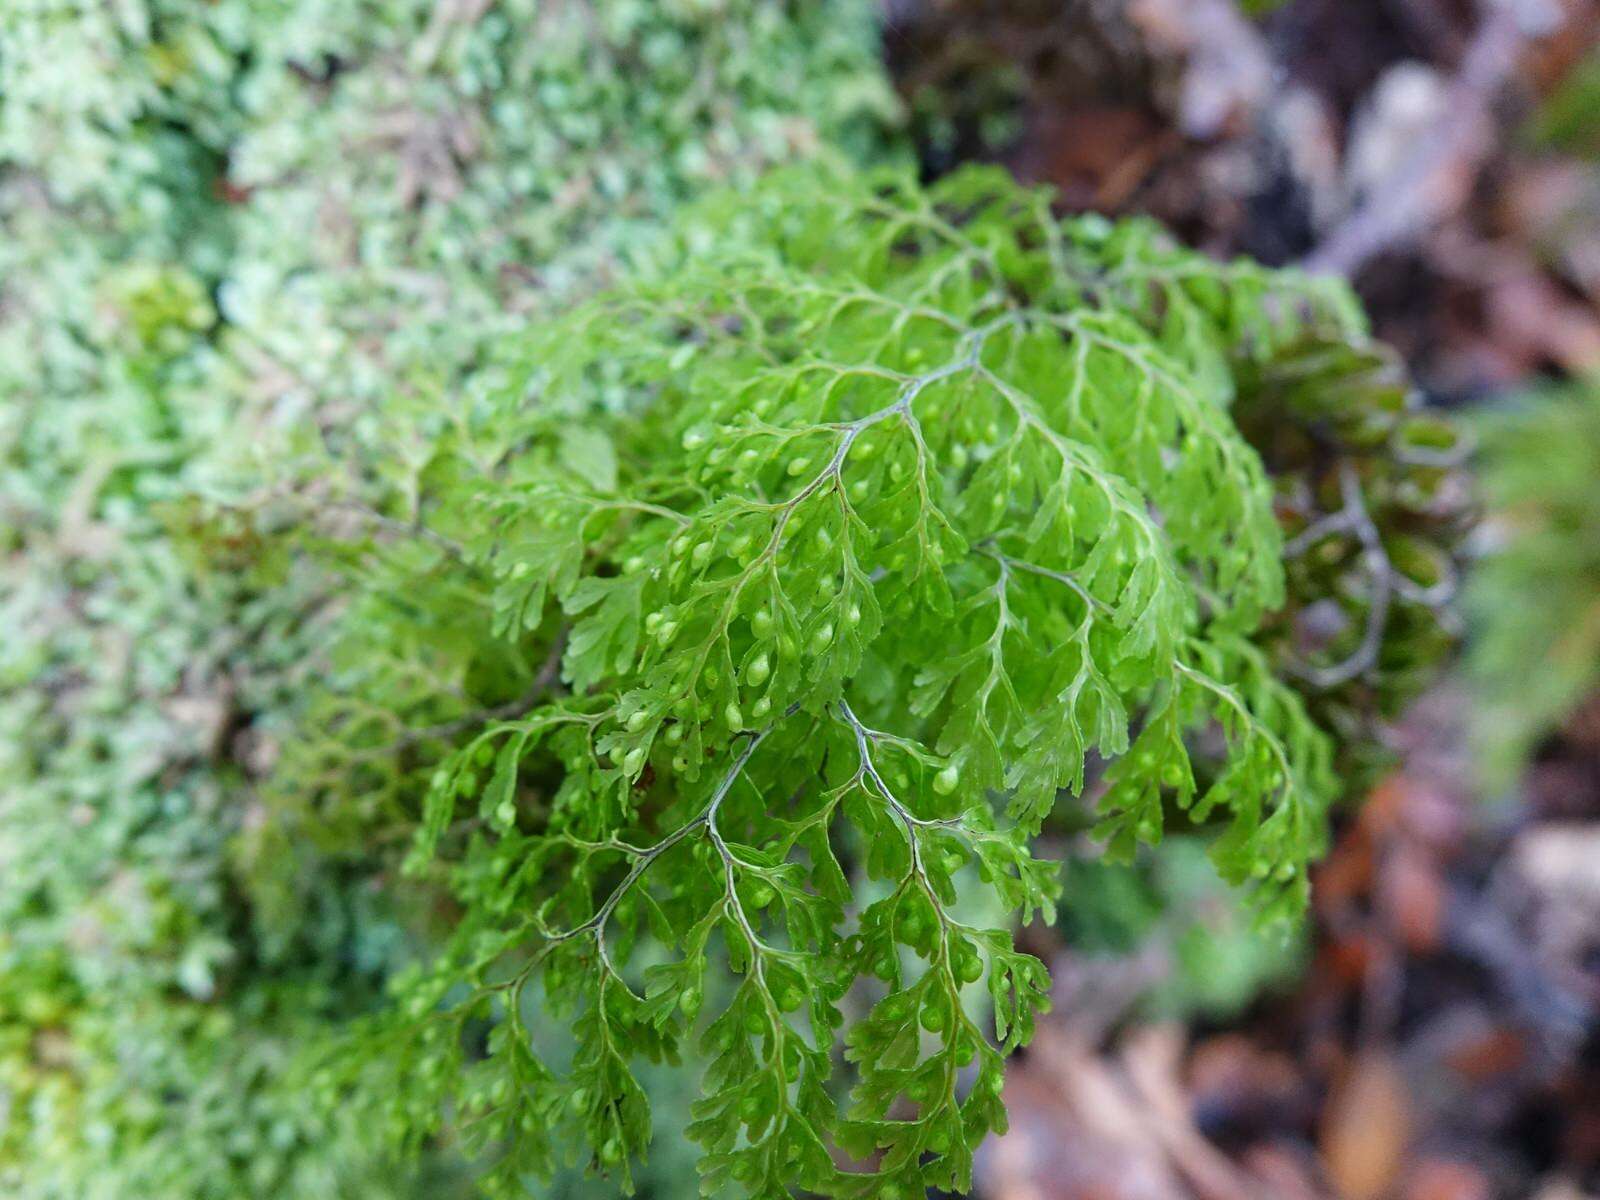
880 522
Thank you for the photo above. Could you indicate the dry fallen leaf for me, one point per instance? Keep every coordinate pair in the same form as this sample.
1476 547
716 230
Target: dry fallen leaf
1366 1128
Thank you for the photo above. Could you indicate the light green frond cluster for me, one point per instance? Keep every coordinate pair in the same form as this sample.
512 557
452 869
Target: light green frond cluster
884 523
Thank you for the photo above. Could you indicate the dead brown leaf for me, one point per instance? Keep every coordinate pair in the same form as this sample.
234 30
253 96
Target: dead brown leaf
1367 1128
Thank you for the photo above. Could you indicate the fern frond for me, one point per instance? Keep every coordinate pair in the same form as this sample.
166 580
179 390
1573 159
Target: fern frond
872 531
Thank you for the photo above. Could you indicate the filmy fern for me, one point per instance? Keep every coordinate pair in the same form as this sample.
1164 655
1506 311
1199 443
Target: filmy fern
889 520
1373 497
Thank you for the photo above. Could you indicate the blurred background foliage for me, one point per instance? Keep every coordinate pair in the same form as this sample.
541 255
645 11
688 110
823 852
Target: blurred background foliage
1536 596
264 252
